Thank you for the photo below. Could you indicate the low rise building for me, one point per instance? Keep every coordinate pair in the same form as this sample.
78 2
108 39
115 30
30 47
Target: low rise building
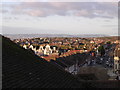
47 50
25 46
117 61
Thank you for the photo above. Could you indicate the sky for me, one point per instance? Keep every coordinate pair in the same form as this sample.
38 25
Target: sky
53 17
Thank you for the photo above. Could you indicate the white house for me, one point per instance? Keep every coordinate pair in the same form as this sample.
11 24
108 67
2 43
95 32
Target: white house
54 50
47 50
25 46
41 50
31 46
34 49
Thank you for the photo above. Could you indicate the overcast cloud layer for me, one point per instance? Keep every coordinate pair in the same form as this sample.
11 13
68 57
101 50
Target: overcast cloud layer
62 17
43 9
60 0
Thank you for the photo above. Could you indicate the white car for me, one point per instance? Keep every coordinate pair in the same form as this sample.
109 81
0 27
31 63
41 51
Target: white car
101 59
107 62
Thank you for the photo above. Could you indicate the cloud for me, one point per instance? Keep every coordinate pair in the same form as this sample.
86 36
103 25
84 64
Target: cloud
80 9
110 25
36 13
60 0
82 13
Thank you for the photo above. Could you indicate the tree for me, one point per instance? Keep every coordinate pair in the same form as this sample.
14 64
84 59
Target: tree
108 42
101 50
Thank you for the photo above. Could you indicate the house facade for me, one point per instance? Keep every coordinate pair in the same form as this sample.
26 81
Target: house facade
117 62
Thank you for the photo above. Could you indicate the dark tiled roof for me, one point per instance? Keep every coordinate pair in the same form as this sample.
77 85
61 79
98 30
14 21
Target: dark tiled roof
87 76
71 60
103 84
62 64
22 69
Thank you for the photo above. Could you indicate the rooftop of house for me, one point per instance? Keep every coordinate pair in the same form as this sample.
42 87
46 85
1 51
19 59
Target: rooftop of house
22 69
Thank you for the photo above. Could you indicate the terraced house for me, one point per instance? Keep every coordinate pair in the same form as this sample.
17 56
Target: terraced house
117 61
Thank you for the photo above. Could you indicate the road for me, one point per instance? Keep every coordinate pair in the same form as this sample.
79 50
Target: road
106 61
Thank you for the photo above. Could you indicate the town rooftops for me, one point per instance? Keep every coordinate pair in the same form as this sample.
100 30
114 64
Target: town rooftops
22 69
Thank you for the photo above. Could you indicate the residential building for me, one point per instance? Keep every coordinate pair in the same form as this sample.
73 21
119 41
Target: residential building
117 61
47 50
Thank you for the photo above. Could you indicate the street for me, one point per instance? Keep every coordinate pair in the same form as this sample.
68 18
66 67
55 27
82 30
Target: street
106 61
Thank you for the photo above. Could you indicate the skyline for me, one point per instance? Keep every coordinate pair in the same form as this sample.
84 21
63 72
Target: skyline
60 18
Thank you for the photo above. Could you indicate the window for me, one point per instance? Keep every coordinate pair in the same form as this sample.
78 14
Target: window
119 66
115 66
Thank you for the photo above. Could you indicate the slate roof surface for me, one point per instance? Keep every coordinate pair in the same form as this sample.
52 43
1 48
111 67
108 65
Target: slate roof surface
22 69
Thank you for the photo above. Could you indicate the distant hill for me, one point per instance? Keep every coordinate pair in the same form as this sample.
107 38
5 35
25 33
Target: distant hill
22 69
16 36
